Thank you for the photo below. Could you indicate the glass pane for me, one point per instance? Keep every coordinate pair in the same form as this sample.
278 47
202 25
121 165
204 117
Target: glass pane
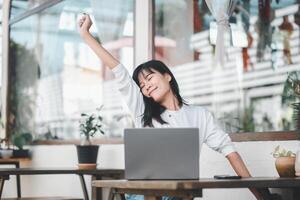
174 27
247 93
56 76
20 6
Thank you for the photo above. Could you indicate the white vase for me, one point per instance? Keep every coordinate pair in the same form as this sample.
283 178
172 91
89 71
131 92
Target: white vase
6 153
297 163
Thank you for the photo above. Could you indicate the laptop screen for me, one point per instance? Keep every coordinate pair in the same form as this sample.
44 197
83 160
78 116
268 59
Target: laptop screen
162 153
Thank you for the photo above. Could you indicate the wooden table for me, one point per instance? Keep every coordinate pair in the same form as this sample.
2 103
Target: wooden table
188 189
97 174
16 162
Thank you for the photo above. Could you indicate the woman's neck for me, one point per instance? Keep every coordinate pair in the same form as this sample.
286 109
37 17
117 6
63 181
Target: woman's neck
170 102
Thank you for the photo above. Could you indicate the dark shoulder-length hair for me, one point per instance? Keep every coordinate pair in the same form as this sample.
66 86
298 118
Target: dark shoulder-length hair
153 110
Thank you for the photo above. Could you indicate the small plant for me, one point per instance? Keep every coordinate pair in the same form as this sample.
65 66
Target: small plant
21 139
90 125
281 152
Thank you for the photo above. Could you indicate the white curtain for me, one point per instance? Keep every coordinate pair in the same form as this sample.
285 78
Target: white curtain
221 11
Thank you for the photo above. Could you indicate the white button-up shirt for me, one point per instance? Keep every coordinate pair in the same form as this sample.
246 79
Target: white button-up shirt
187 116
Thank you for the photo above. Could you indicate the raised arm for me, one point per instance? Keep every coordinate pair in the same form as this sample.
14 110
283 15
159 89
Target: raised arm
125 84
85 24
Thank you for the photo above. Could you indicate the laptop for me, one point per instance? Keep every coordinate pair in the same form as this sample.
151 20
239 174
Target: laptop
161 153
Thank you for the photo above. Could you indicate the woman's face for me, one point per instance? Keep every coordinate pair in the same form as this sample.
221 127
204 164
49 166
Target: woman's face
154 84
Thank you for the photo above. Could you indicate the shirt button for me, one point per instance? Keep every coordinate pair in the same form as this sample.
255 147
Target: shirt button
170 115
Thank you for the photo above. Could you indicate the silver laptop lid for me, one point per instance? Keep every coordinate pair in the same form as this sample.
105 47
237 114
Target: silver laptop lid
161 153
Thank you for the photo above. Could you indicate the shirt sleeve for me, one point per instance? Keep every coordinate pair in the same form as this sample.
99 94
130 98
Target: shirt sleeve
216 138
129 90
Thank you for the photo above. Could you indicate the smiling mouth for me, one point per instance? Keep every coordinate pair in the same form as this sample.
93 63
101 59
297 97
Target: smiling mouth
152 91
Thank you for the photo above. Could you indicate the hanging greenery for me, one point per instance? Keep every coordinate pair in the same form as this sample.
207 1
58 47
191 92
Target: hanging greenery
20 102
291 89
291 95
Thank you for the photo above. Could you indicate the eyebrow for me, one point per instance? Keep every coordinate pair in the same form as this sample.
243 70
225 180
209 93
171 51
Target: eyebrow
149 74
146 76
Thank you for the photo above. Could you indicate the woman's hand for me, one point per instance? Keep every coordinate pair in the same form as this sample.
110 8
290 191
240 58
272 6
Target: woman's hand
84 24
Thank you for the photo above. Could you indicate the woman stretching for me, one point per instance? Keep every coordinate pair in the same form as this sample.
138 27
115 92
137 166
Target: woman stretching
152 95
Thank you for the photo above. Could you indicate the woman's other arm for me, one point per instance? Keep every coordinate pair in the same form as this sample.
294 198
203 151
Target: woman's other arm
240 168
220 141
84 26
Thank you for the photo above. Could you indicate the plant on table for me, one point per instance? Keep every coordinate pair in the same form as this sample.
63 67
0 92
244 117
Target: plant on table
285 161
90 125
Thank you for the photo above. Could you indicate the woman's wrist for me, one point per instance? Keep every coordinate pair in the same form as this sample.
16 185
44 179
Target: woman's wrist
84 33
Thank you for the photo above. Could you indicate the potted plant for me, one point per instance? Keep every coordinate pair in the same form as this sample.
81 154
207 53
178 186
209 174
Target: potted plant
90 125
19 140
285 162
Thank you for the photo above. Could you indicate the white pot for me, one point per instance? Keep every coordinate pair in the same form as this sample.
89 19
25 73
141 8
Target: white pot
6 153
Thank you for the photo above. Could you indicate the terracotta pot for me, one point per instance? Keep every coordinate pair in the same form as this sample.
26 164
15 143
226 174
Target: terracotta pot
285 166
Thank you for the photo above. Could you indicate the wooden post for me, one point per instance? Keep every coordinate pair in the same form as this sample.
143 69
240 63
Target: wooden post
143 31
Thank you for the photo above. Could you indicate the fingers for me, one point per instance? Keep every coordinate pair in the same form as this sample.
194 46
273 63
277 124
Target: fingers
83 19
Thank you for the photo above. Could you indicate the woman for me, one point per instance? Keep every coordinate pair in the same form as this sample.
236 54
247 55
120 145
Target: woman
154 100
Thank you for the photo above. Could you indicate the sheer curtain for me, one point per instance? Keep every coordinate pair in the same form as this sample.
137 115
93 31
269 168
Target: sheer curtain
221 11
226 115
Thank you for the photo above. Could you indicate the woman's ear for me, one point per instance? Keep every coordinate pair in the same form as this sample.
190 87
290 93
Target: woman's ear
168 77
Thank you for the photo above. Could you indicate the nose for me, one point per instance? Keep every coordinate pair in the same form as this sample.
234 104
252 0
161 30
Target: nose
147 86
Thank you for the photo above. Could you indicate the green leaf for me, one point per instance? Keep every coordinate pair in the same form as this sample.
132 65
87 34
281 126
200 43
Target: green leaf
91 124
277 148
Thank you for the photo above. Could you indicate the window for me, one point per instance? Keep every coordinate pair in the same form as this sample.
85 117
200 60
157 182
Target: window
246 94
55 77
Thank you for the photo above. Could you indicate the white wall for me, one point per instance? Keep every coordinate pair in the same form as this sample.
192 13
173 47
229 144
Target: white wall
255 154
